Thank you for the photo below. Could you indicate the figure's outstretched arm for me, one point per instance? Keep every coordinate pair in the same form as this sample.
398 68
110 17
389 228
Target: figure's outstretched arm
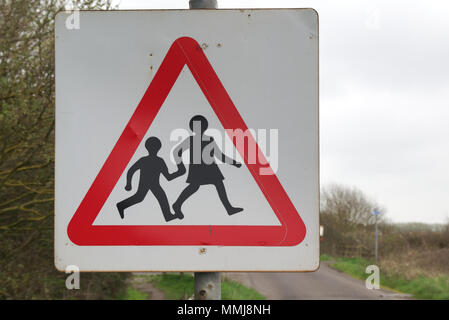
129 175
170 176
224 158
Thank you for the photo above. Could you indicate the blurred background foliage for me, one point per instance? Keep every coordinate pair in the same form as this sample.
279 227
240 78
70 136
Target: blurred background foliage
409 249
27 108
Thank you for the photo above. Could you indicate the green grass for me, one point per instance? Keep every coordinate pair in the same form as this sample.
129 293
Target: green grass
325 257
134 294
353 266
176 287
421 287
232 290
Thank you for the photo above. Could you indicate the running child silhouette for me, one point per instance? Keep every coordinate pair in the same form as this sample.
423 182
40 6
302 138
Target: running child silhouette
151 167
202 168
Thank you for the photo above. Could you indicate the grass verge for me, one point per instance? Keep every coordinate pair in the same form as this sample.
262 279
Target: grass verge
421 287
134 294
325 257
176 287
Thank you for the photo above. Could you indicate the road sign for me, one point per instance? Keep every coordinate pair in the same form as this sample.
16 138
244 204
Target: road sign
184 51
186 148
376 212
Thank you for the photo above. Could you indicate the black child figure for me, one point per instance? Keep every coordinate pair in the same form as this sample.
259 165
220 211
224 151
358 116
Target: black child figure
151 167
202 168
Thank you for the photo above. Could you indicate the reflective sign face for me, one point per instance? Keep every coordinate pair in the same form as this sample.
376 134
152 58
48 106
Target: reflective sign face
187 140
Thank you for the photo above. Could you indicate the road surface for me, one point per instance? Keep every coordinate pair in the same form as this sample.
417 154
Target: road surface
326 283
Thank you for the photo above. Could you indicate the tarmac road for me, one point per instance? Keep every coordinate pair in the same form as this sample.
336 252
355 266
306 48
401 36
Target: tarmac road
326 283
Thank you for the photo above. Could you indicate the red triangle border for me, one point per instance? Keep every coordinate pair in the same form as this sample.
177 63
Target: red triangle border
183 51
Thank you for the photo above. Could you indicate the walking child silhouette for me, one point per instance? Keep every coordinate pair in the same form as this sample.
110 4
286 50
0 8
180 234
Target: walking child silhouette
202 168
151 167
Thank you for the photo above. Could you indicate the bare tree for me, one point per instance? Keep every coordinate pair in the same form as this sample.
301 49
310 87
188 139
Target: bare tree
347 216
349 205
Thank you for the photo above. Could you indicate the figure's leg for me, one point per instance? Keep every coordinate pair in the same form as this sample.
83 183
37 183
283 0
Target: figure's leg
161 197
186 193
136 198
224 199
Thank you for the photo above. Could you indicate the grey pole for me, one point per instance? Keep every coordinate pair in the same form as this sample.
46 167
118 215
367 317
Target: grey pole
207 284
203 4
375 243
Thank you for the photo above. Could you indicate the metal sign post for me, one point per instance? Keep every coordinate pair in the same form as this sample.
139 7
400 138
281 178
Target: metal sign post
207 284
203 4
375 247
376 213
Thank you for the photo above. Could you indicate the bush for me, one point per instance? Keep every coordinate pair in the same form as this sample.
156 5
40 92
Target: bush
347 217
27 157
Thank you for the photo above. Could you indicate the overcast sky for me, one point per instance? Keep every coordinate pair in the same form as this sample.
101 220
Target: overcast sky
384 98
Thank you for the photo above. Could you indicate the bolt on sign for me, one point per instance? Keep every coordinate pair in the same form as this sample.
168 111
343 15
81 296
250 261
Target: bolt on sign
187 140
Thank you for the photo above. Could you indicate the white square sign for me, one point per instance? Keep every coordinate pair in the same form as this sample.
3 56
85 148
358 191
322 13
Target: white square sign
187 140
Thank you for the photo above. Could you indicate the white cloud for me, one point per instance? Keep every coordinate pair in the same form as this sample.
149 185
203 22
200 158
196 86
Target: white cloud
384 98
